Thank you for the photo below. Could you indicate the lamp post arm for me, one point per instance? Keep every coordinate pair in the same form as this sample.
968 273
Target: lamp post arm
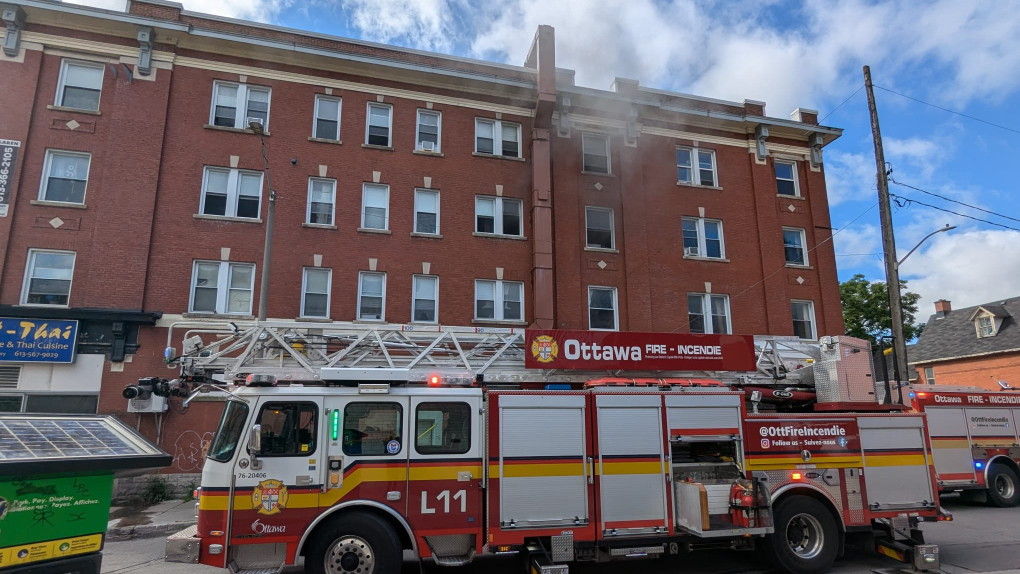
911 252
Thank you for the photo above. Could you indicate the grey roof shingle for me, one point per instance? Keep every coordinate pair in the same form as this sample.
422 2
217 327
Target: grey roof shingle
954 335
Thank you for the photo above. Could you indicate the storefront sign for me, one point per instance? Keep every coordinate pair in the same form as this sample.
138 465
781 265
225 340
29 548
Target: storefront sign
37 340
8 159
600 350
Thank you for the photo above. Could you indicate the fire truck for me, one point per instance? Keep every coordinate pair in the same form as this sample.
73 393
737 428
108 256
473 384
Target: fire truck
346 445
974 440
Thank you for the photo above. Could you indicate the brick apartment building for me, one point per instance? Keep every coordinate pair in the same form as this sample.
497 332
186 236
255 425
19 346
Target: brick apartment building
410 187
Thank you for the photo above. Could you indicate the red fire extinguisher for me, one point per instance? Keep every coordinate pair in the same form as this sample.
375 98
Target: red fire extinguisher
741 503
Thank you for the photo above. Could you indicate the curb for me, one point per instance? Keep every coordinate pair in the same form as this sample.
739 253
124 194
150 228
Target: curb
121 533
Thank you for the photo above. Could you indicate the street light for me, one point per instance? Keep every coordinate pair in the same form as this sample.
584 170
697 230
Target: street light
259 130
937 231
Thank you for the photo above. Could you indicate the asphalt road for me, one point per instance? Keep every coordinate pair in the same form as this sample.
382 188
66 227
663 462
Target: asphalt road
979 539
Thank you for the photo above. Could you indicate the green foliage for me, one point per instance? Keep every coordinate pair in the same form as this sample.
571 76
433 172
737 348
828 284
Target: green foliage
189 492
866 309
156 490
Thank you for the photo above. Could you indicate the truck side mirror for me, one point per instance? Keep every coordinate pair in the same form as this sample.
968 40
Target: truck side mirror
255 440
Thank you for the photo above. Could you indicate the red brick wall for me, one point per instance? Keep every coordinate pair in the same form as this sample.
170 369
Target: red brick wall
976 372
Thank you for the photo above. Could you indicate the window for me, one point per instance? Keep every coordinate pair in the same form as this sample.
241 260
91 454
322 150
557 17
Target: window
287 429
703 238
426 211
327 118
499 300
599 228
497 215
794 241
238 105
425 302
229 432
786 178
508 144
231 193
804 319
986 327
371 296
429 128
222 287
48 277
60 403
602 308
321 201
703 173
373 429
315 287
929 376
80 85
65 176
375 207
380 124
594 153
709 313
442 428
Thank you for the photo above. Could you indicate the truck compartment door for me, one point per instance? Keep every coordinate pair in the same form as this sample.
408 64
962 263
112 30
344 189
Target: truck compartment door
896 473
950 445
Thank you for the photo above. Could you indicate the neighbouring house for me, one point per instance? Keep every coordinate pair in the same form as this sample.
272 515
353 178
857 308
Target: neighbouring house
977 346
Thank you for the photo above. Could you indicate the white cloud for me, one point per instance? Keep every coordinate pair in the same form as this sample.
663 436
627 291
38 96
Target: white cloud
849 176
859 245
916 152
259 10
423 24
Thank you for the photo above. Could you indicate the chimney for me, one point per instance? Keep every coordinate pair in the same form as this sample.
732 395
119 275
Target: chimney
943 307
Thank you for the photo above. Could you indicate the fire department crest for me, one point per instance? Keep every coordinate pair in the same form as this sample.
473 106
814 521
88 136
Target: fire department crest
270 497
545 349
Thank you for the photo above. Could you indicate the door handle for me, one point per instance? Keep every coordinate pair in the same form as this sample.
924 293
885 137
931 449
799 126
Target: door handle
303 481
591 475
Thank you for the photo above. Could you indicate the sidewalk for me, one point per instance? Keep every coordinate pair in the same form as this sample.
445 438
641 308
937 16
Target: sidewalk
163 519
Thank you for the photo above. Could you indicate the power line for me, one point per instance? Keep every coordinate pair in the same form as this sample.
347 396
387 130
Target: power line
841 105
857 254
1001 127
954 201
906 201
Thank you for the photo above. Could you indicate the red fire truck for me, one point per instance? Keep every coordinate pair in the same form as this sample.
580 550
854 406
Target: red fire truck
974 440
348 445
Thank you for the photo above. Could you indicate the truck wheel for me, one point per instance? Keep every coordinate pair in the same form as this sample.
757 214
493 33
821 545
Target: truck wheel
806 539
354 544
1003 486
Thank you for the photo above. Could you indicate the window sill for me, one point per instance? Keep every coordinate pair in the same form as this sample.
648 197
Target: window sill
696 186
797 266
428 153
382 147
225 218
500 236
74 110
784 196
235 130
376 231
45 305
326 141
427 235
494 156
370 321
68 205
497 322
199 315
597 173
713 259
601 250
314 319
318 226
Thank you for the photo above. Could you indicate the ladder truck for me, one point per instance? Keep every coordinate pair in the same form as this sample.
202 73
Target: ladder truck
345 445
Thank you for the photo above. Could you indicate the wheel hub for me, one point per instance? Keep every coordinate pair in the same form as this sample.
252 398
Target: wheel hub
805 536
350 555
1004 486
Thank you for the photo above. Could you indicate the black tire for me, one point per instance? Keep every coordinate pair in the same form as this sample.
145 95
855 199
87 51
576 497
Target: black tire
353 541
806 538
1003 486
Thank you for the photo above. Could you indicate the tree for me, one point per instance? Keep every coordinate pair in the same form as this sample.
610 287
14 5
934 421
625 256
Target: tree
866 309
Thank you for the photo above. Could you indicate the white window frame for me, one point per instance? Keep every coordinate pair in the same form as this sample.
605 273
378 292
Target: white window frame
702 240
497 225
382 313
814 319
439 130
304 290
796 179
233 191
308 207
803 246
435 298
58 99
222 286
386 217
497 294
612 227
991 326
30 272
929 375
241 109
339 116
706 307
616 308
609 158
497 138
389 127
696 169
414 224
45 179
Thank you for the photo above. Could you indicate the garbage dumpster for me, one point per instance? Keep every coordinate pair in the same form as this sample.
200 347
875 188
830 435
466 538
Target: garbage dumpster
56 482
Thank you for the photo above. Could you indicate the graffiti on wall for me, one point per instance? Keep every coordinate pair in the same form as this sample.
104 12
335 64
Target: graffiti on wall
190 449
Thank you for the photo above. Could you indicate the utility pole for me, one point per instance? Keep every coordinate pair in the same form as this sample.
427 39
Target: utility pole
892 272
267 254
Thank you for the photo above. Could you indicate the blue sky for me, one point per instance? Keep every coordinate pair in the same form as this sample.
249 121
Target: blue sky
960 55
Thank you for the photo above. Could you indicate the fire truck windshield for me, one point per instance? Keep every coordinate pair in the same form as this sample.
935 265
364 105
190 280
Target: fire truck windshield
229 431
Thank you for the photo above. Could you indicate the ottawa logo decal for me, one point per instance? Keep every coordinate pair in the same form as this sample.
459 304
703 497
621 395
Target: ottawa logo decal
269 497
545 349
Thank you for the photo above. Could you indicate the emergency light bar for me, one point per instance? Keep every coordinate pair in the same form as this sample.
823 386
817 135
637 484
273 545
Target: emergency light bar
352 374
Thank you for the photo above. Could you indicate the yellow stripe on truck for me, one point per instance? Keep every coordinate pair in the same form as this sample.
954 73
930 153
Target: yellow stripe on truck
541 469
795 461
949 443
874 460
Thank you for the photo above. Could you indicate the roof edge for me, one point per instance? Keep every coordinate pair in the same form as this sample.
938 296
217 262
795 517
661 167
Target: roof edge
944 359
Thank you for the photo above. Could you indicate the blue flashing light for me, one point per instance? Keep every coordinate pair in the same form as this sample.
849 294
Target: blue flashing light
557 387
912 395
979 464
